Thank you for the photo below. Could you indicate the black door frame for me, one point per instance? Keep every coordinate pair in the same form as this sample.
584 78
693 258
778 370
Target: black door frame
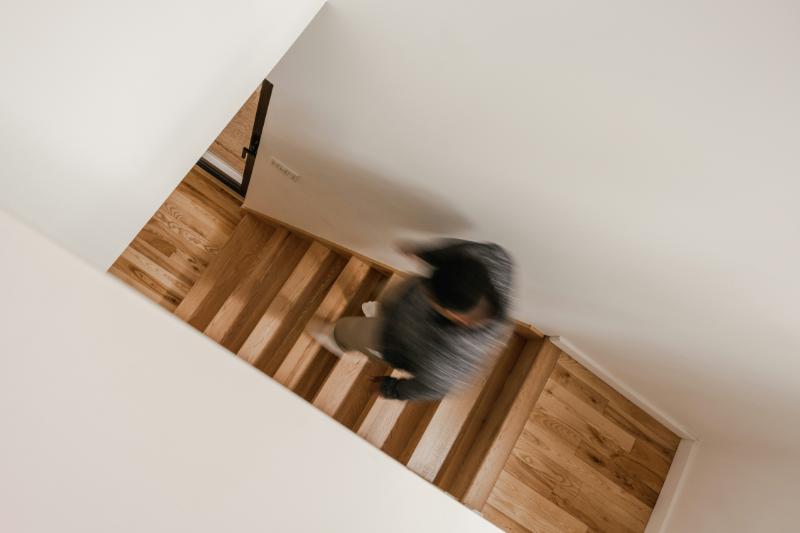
248 152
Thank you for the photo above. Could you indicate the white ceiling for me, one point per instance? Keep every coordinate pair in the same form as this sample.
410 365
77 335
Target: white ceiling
640 160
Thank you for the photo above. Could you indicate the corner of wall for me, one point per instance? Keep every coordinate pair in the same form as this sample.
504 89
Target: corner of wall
670 491
623 388
679 468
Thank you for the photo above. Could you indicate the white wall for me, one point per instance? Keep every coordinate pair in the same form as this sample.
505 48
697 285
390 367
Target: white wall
736 489
105 106
640 160
116 416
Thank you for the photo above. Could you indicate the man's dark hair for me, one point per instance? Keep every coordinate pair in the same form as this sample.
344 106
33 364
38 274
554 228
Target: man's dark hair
459 283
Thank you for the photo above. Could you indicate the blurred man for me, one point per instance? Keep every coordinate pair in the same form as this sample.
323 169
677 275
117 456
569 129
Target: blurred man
441 329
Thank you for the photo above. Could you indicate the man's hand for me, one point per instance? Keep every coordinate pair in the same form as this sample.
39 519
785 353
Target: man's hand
375 383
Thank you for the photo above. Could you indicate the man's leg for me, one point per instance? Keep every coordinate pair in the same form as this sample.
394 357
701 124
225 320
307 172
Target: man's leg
394 290
360 334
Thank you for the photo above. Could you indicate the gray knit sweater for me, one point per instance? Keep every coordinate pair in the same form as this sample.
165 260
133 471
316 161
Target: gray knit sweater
441 355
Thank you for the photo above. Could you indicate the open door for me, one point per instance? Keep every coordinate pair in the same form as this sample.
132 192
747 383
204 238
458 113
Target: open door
231 156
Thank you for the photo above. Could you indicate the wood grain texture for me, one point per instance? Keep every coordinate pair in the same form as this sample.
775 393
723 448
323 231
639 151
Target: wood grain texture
605 471
170 253
282 311
452 476
236 135
339 297
502 520
442 431
381 418
532 375
234 261
541 444
348 393
452 413
225 322
538 513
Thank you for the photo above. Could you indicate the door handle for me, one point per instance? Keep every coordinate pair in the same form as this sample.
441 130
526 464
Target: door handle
249 150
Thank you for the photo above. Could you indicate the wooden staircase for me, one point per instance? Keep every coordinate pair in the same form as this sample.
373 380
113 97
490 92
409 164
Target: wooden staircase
256 299
572 453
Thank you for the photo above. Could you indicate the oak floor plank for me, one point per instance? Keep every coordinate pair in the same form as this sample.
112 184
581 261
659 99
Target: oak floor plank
167 258
502 521
629 424
591 417
537 514
542 473
613 470
566 413
649 457
621 404
543 437
140 279
214 194
579 389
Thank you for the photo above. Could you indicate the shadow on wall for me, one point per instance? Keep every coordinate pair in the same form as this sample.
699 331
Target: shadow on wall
348 204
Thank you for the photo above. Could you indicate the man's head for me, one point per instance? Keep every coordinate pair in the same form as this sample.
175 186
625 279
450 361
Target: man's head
461 290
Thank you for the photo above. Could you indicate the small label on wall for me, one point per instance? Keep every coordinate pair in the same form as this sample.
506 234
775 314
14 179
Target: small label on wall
283 169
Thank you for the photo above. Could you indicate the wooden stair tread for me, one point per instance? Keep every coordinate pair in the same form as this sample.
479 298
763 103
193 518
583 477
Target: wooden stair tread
443 429
339 297
284 307
380 420
234 260
347 391
491 451
225 321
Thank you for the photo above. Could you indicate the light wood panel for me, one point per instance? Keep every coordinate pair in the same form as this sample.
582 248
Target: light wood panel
347 392
502 520
437 440
450 417
225 321
235 260
339 297
382 418
533 370
605 471
279 315
537 513
170 253
452 471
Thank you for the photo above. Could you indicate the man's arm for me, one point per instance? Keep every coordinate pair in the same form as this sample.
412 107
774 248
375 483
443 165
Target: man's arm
410 389
434 254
